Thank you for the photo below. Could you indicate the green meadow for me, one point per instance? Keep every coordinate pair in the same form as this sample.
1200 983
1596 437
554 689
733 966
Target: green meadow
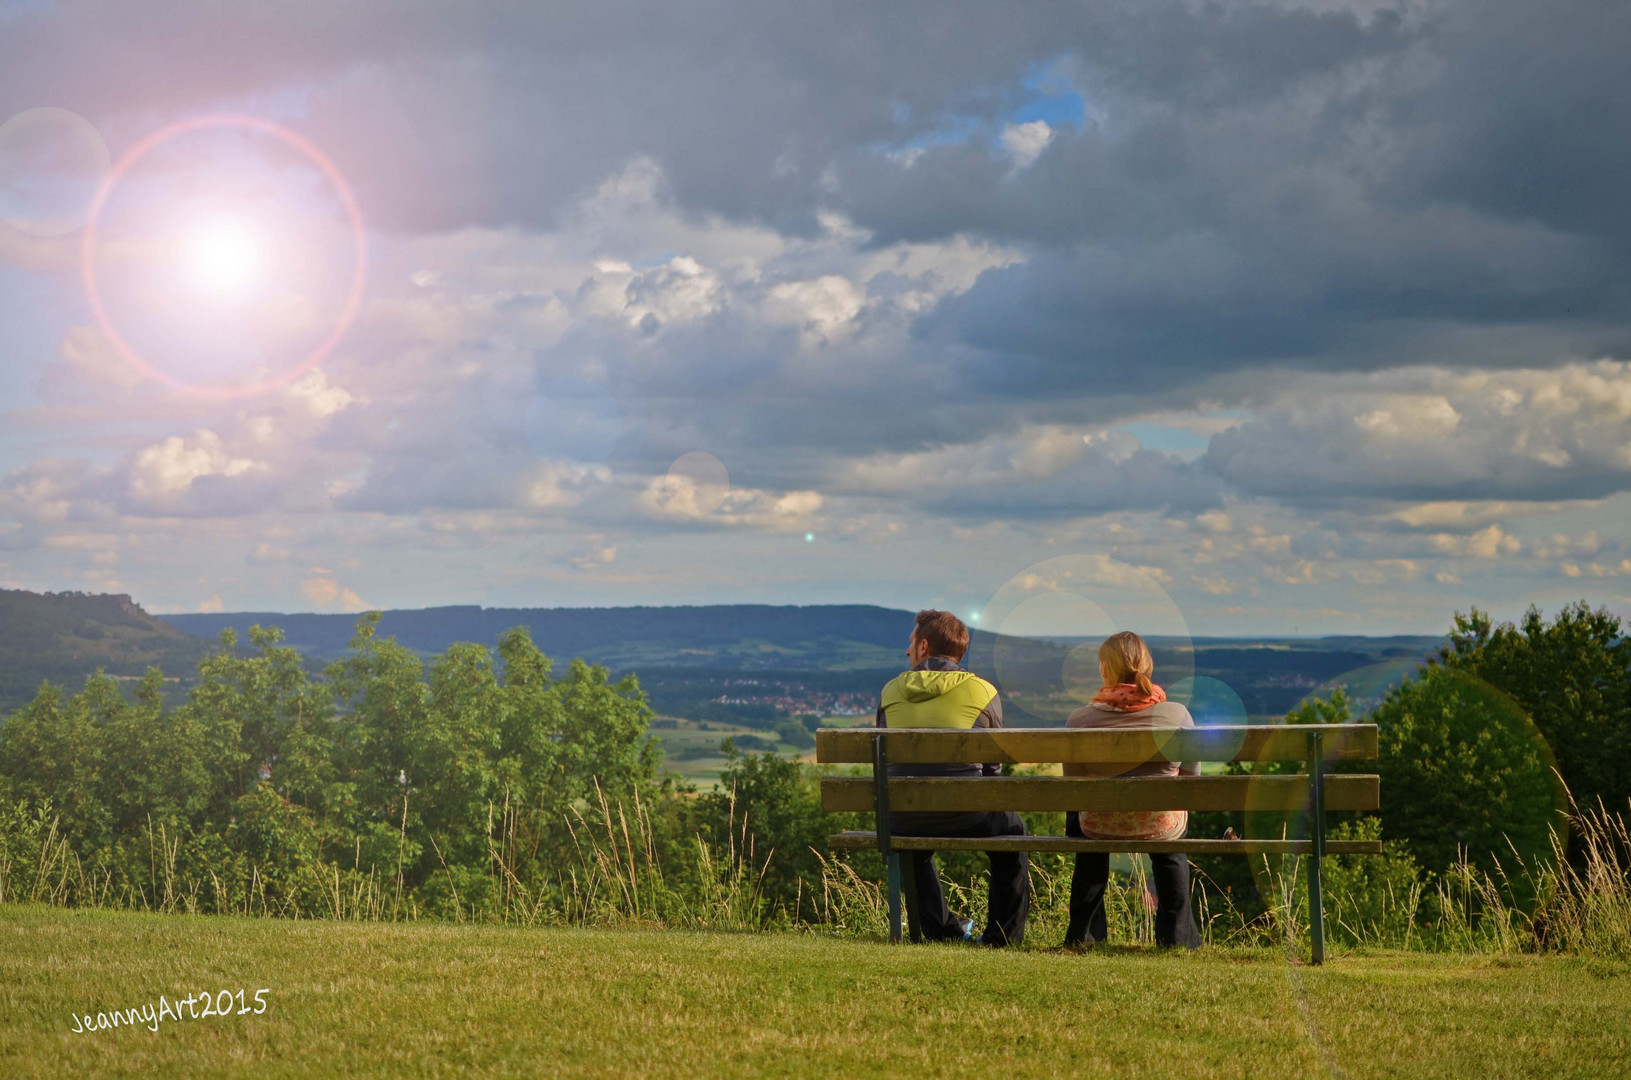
447 1000
691 748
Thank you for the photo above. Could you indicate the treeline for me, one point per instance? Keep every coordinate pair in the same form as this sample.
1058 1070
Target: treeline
438 783
482 784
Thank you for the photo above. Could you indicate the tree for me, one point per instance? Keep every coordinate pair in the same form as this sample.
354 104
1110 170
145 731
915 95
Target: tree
1573 677
1464 771
791 730
108 766
52 750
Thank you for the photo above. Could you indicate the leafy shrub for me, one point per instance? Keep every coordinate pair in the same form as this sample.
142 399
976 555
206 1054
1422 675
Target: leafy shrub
776 807
1371 898
1464 770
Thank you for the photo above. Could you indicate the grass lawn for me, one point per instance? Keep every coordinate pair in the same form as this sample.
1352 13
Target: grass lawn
379 1000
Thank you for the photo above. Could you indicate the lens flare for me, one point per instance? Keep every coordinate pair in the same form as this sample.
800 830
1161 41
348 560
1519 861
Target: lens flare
52 162
698 482
1048 620
225 258
1212 703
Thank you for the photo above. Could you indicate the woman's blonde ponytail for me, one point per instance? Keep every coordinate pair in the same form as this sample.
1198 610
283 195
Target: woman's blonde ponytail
1124 658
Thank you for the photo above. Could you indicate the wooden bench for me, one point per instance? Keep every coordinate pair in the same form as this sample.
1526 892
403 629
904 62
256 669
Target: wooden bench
1311 791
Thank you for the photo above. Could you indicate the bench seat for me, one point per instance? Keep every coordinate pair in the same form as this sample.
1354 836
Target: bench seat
857 840
1351 791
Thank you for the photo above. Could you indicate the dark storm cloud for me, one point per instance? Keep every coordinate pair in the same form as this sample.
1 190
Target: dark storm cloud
1528 117
1473 175
504 112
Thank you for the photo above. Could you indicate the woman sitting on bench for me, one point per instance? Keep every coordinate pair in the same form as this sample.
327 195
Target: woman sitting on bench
1130 699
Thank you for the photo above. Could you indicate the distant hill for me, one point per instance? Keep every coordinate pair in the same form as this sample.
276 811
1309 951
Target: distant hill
745 636
759 660
66 636
752 662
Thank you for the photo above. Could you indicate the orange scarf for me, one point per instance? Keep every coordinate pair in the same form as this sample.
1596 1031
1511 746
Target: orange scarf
1128 697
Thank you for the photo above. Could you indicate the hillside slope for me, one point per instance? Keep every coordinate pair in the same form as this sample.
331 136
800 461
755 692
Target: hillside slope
64 637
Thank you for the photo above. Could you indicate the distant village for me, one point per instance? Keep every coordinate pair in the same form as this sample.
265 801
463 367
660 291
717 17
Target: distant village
797 701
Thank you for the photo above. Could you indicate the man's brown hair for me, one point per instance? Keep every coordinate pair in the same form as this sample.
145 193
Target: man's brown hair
945 633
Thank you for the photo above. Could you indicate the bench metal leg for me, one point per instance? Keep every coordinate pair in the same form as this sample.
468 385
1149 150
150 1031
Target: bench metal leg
894 897
891 858
1316 907
908 892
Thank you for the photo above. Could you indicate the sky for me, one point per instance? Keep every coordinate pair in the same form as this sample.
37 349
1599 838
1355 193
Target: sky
1299 317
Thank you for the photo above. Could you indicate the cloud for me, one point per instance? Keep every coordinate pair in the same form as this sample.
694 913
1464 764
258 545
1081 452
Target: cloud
327 594
170 467
86 361
823 308
1442 438
1486 543
681 290
323 399
1025 142
676 497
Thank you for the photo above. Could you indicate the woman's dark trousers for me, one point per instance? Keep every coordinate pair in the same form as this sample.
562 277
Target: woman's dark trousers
1174 921
1009 899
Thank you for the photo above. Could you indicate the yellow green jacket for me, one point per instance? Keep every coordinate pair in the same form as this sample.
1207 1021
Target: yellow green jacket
939 694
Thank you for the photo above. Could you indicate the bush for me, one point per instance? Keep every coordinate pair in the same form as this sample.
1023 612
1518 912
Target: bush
1371 898
1464 770
768 810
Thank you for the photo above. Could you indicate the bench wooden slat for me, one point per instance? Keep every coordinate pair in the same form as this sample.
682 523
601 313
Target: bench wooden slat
1275 793
859 840
1246 742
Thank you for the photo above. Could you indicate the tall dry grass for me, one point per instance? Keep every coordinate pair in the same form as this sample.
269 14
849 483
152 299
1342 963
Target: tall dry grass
1553 905
615 876
1581 906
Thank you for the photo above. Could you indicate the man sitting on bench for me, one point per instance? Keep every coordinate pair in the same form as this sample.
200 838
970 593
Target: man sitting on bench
938 693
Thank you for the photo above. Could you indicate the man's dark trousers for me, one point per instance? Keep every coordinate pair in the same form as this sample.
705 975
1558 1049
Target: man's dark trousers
1174 921
1009 898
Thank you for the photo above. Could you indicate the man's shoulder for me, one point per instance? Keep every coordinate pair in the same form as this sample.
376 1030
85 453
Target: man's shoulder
893 689
959 682
979 687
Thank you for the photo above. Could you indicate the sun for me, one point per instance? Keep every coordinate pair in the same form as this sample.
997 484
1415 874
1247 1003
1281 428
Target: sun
224 257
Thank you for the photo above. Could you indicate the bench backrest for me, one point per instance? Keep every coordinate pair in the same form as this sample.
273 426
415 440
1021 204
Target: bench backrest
1315 744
